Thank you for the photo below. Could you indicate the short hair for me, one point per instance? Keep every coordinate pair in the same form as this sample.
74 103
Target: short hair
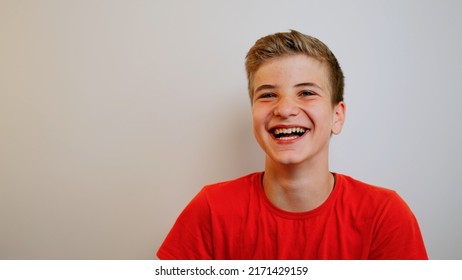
292 43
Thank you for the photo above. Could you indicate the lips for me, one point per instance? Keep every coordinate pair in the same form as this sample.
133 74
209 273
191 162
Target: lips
288 133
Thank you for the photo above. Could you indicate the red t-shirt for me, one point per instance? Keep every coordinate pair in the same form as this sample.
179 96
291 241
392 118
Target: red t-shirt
235 220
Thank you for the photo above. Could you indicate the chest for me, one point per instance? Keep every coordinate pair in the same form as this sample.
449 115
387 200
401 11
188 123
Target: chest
263 235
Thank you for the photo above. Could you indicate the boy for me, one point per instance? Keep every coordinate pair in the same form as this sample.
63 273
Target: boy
296 208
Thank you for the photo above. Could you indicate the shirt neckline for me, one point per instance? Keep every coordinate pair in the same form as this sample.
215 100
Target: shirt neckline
298 215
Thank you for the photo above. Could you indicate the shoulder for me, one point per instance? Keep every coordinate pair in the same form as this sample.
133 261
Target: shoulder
378 203
232 195
225 195
356 189
371 201
395 232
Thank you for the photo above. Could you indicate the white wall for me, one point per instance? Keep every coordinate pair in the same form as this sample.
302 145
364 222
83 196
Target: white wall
113 114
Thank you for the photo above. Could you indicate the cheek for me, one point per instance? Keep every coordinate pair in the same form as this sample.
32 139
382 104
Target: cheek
258 118
323 118
255 120
257 124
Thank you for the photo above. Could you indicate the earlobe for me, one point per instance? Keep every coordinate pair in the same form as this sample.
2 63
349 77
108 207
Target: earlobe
339 117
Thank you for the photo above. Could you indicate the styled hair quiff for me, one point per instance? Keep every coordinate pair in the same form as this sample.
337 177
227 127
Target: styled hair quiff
292 43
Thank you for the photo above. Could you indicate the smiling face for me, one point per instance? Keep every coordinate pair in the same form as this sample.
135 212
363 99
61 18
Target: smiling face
293 115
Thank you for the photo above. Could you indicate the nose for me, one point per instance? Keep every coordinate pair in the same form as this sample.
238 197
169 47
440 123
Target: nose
285 108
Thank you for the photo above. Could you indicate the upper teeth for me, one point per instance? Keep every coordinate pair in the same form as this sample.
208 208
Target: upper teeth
289 130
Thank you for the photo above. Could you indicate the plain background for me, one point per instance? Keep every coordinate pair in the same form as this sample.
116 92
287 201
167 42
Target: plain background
113 114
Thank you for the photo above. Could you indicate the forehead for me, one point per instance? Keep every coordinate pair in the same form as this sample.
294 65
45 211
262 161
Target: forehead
291 70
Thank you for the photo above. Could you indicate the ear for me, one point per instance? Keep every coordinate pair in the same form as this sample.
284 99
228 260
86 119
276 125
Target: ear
338 117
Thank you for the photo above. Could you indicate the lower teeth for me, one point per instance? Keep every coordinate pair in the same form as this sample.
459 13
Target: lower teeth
287 137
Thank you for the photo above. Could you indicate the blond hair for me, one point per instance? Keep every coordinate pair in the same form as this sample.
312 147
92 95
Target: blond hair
291 43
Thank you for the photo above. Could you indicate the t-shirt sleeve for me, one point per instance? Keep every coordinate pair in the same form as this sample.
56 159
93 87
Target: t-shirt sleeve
396 234
190 237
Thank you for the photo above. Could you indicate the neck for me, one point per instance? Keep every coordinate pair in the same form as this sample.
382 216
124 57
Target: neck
297 188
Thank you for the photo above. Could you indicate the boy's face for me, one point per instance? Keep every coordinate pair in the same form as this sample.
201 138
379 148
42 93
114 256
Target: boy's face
293 115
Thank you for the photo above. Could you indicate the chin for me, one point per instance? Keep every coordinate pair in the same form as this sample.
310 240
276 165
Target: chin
287 160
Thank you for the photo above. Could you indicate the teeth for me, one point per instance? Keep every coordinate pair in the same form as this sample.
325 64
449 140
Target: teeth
288 137
289 130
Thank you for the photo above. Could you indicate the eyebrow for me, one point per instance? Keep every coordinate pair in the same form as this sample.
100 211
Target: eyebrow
309 84
262 87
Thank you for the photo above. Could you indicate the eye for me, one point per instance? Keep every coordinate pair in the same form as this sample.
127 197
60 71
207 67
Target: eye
306 93
266 95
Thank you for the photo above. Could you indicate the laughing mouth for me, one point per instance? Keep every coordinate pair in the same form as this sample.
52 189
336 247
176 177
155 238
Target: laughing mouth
288 133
